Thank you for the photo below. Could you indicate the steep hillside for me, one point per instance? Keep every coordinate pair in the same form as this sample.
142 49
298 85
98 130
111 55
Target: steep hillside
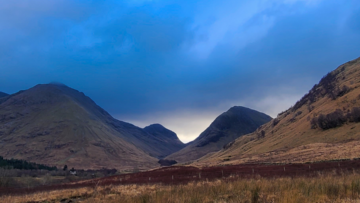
237 121
323 125
2 94
153 145
56 125
169 138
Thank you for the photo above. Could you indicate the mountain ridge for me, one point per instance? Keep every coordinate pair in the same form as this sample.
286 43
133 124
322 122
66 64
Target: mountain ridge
228 126
55 124
322 125
130 132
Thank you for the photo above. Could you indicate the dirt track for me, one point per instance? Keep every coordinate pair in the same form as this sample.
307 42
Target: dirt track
184 174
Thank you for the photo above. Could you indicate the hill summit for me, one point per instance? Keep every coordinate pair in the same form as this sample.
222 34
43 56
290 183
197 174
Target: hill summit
169 137
235 122
56 125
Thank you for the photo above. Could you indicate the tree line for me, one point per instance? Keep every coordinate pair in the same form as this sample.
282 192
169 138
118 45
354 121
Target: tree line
23 165
335 119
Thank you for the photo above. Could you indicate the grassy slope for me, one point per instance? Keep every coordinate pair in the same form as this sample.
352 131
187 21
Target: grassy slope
293 140
227 127
50 128
154 145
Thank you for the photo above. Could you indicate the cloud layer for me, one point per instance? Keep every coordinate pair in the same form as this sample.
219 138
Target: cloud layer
180 63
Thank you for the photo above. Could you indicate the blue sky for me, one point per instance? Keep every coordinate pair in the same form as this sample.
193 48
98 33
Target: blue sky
178 63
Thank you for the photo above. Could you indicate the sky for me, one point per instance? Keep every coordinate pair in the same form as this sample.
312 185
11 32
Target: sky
175 62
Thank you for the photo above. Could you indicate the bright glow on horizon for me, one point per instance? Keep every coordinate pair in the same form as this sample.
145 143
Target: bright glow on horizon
189 124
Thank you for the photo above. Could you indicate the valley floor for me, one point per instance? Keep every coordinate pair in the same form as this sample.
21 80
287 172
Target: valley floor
332 181
328 187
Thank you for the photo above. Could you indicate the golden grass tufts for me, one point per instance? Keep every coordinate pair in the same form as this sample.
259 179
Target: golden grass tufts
323 188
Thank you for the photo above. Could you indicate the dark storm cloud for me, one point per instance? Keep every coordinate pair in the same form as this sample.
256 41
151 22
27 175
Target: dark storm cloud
175 62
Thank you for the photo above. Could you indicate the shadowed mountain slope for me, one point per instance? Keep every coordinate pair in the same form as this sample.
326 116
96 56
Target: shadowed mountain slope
56 125
169 138
323 125
237 121
2 94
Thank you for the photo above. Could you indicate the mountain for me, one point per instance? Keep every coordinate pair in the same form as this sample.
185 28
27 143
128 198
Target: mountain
56 125
2 94
237 121
323 125
169 138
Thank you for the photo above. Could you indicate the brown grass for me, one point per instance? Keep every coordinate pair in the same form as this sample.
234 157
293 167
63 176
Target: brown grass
323 188
307 153
293 140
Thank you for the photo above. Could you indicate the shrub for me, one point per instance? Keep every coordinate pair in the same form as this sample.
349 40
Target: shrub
325 87
287 112
331 120
339 92
354 115
275 122
314 123
310 108
228 145
255 195
261 134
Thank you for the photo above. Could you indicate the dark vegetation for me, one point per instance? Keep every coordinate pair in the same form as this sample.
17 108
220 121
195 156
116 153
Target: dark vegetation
293 119
261 134
21 164
184 174
228 145
22 174
275 122
325 87
339 92
165 162
335 119
287 112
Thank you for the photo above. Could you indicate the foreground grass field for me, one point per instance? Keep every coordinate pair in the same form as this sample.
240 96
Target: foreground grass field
323 188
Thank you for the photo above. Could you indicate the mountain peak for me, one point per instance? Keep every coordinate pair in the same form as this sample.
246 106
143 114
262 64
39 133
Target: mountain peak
165 134
57 84
159 130
237 108
241 109
155 125
228 126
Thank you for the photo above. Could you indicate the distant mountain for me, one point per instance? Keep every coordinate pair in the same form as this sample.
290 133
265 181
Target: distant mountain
56 125
169 138
2 94
237 121
323 125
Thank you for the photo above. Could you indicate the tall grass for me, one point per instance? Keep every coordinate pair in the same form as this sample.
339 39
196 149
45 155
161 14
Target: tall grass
323 188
